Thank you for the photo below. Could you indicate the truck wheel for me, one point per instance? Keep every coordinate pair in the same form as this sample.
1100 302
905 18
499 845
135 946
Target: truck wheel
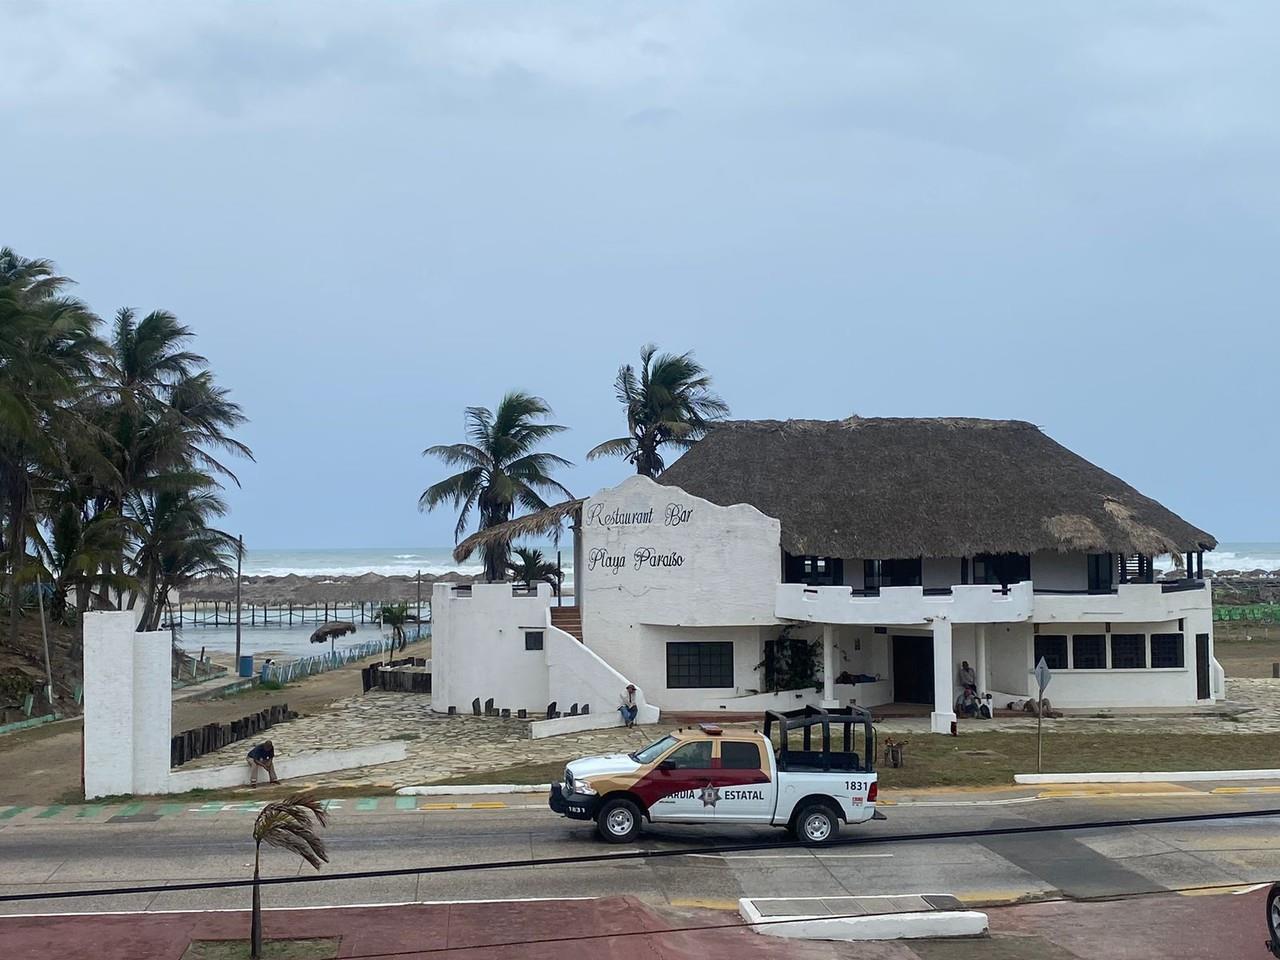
618 820
816 823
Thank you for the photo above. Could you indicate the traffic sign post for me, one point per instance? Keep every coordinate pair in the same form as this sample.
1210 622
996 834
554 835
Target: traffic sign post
1043 676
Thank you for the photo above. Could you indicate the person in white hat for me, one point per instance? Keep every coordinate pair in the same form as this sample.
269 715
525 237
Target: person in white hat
627 705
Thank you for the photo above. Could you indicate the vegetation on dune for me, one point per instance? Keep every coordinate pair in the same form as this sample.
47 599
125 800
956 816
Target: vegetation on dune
502 470
669 403
529 567
112 452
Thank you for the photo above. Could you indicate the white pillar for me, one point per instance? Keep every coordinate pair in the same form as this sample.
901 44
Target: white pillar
943 700
980 656
108 703
829 666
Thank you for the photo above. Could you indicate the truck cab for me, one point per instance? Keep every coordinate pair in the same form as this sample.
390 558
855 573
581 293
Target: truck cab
795 774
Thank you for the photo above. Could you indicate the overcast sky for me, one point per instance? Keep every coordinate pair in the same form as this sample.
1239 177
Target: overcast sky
376 214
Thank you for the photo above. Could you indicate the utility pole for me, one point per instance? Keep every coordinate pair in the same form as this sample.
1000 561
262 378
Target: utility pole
419 603
44 631
239 559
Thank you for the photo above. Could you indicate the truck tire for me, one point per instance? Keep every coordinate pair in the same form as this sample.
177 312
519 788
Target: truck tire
816 822
618 820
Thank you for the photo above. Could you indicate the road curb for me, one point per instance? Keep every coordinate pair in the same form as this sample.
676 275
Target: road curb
472 789
1184 776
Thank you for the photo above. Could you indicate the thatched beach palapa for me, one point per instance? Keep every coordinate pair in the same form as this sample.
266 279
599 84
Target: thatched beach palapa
332 631
883 488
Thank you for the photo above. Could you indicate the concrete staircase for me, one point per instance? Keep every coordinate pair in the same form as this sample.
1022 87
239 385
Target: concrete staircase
568 619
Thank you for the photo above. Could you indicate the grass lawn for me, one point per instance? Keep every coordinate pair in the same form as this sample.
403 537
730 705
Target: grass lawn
991 759
983 759
1246 649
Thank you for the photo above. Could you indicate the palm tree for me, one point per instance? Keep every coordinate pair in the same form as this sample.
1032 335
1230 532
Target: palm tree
48 358
669 403
530 567
395 616
291 825
503 470
176 543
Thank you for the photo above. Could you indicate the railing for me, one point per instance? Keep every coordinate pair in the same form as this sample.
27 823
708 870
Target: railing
323 663
1176 586
962 603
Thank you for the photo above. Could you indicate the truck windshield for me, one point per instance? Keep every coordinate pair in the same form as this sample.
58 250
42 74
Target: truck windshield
654 750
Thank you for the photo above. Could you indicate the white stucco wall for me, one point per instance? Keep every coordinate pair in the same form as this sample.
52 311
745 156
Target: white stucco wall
477 647
575 674
1051 570
108 703
940 571
662 566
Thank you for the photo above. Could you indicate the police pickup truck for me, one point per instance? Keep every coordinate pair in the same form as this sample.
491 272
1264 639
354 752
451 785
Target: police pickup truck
792 775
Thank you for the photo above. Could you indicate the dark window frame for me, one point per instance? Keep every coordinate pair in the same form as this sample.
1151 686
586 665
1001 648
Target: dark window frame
700 665
1162 643
530 643
1101 572
1055 659
1080 643
1001 569
1132 651
742 746
691 746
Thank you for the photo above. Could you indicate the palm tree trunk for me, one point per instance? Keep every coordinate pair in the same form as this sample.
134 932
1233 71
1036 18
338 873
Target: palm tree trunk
255 927
17 551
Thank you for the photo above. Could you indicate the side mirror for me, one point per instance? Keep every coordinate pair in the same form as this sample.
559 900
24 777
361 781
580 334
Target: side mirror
667 765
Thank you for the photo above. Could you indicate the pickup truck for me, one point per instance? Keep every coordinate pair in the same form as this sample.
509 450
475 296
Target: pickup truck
707 774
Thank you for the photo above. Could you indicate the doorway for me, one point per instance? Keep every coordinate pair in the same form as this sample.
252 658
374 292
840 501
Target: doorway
1202 666
912 669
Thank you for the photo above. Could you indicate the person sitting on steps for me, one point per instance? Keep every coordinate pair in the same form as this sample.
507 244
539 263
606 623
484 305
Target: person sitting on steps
627 705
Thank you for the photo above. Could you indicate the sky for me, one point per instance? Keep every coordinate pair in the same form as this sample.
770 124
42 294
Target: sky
375 215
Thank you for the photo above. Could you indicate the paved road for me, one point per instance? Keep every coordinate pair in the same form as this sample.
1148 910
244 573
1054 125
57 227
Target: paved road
57 848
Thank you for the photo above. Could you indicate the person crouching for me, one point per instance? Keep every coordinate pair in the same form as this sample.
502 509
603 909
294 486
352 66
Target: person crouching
262 757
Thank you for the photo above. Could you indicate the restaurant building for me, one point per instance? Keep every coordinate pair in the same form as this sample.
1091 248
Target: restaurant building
778 563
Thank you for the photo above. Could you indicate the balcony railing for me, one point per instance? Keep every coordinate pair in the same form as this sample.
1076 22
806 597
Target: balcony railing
962 603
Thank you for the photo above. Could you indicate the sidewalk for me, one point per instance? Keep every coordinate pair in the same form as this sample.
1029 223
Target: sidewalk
1149 928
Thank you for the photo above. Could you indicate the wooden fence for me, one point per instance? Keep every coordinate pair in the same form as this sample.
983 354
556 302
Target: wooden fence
213 736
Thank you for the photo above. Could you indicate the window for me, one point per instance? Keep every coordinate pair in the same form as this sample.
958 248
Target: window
815 571
1167 650
691 756
533 639
891 573
1128 651
739 755
1101 566
1054 651
1001 568
1089 651
699 665
654 750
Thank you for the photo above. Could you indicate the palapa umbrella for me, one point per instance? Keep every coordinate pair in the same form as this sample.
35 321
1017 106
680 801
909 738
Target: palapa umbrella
331 631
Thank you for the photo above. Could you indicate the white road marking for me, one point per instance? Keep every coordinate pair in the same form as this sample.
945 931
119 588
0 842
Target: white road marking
793 856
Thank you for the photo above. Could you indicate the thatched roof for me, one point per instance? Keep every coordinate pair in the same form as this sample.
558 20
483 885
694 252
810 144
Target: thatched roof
530 525
897 487
332 630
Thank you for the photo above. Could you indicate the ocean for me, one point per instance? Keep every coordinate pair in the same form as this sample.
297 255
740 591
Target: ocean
294 641
287 642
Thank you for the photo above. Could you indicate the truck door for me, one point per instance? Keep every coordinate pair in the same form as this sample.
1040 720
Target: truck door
684 783
747 792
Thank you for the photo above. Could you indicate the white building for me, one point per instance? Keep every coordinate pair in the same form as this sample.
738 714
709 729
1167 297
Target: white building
889 550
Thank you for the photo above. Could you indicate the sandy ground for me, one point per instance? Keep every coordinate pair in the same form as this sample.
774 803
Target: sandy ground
43 764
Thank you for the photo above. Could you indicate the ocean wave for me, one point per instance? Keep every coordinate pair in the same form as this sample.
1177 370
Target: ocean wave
386 570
